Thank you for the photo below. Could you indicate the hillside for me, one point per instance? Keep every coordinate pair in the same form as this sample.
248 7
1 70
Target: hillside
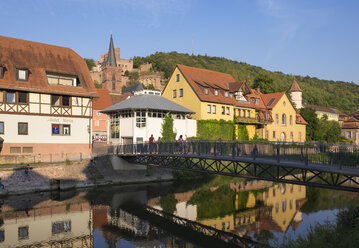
337 94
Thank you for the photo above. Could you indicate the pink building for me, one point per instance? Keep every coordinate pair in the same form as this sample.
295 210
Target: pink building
100 121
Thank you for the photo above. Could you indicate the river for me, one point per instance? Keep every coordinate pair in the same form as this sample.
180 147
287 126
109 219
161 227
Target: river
170 214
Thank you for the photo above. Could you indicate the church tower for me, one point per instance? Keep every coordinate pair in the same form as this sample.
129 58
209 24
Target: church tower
111 56
296 94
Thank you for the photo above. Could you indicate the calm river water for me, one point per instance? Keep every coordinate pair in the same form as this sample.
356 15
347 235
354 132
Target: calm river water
259 211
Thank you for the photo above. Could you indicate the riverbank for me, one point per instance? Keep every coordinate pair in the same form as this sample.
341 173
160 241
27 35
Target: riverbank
76 174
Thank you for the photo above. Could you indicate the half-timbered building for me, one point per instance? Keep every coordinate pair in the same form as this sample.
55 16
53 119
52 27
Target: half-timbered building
46 95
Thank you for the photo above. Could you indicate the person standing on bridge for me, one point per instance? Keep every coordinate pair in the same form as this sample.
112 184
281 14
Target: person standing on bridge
151 143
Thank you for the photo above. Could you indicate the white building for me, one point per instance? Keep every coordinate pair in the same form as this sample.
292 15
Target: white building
135 119
46 95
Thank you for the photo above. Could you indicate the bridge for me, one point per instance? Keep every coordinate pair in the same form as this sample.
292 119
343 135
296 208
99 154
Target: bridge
332 166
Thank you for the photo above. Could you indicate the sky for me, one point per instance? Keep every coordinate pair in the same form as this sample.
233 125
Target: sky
317 38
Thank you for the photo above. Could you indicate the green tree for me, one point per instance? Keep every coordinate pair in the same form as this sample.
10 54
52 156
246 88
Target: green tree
133 77
265 83
90 63
149 87
242 132
167 129
168 203
329 131
127 73
97 84
312 129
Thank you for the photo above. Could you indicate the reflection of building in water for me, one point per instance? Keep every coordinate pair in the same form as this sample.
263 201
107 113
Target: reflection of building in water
286 201
66 225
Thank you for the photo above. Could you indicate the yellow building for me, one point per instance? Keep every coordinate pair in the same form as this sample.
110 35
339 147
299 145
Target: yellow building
216 95
213 95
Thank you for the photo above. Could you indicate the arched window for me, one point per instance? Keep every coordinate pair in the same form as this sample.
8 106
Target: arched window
284 117
291 137
290 120
282 136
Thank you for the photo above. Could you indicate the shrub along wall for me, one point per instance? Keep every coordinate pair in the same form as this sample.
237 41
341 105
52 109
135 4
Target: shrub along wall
221 130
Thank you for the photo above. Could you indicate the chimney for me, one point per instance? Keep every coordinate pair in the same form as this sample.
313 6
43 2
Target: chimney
259 90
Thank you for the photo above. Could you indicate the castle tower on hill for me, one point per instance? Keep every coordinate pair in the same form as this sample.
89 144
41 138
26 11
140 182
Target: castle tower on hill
296 94
111 72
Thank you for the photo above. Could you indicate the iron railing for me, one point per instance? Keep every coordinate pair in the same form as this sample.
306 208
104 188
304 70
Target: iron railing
338 155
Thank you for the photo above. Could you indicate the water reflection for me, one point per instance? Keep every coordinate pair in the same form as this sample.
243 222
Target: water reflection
255 210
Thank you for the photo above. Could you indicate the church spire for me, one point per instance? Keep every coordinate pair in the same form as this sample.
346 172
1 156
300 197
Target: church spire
111 57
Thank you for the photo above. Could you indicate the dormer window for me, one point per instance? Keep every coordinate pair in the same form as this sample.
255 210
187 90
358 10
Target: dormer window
62 79
231 95
22 74
257 101
226 93
1 72
206 91
216 92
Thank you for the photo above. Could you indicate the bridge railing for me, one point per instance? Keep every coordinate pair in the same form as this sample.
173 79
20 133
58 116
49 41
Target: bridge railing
306 153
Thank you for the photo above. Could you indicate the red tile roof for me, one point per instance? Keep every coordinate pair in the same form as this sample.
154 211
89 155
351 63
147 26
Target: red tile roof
295 87
116 98
39 58
270 100
300 120
103 101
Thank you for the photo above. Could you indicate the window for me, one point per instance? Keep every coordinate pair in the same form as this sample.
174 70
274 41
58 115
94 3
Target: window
23 232
291 137
28 149
284 119
214 109
208 109
61 227
62 79
216 92
65 101
174 93
248 113
22 75
348 134
97 123
273 191
273 134
276 119
1 127
226 93
181 93
55 100
10 97
15 149
177 77
115 127
22 97
61 129
257 101
22 128
266 115
227 111
231 95
98 113
291 203
284 205
291 120
2 235
267 134
298 119
206 91
223 110
140 119
1 72
276 207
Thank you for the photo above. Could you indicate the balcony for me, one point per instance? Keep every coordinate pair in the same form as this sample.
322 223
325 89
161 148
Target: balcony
251 120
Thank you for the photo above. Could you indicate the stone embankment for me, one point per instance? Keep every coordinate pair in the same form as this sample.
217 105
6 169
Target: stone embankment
78 174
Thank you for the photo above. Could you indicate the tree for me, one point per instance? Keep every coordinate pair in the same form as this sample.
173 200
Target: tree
167 129
90 63
149 87
97 84
265 83
329 131
312 129
133 76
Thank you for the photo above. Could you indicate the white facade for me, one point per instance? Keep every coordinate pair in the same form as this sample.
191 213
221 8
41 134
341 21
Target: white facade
132 131
297 99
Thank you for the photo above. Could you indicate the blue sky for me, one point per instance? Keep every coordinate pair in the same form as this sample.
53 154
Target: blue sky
316 38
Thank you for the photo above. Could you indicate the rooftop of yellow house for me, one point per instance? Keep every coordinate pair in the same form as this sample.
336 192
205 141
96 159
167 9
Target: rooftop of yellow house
295 87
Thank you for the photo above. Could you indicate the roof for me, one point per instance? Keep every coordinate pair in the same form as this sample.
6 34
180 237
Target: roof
270 100
116 98
148 102
111 57
323 109
133 88
300 120
103 101
39 58
295 87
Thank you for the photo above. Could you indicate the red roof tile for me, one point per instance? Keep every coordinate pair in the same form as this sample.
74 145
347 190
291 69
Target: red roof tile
39 58
270 100
295 87
103 101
